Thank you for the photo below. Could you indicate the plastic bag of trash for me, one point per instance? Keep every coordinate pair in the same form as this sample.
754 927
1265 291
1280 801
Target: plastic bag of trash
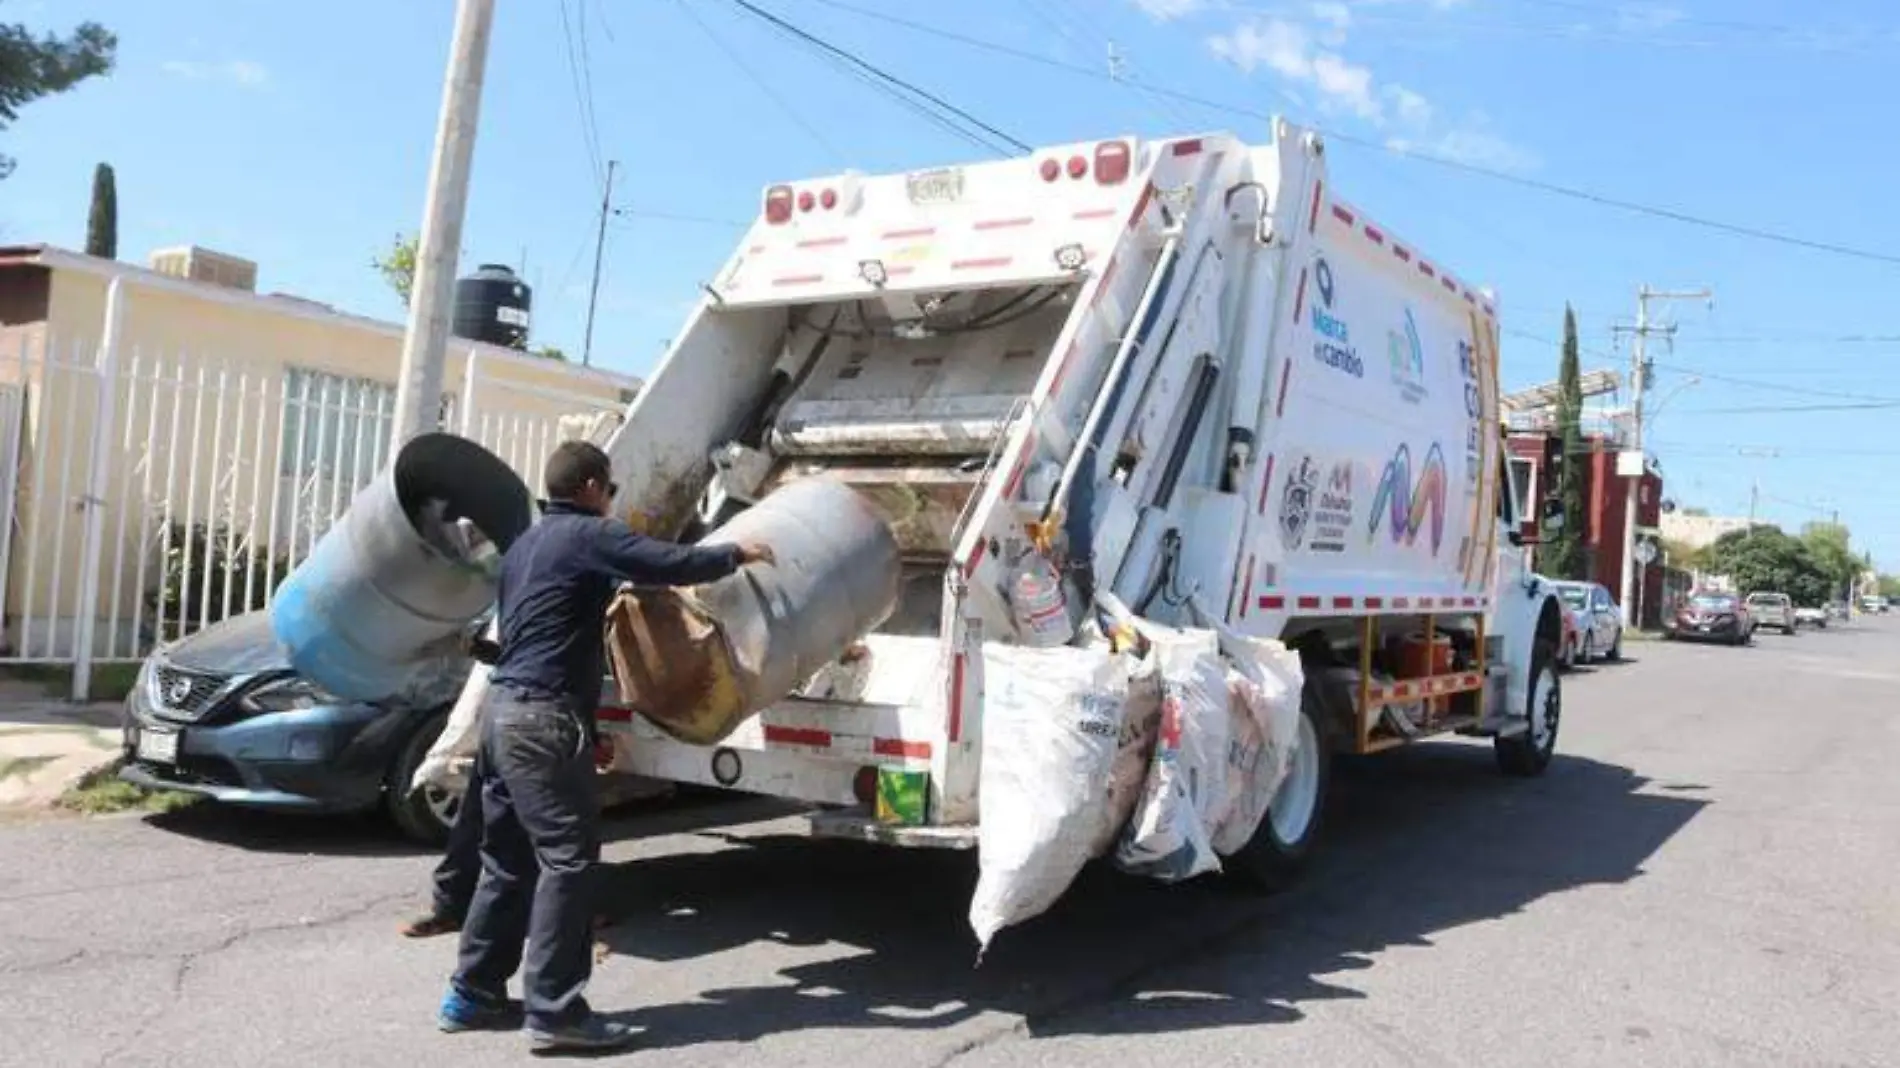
1263 685
1170 836
1052 720
448 762
1141 725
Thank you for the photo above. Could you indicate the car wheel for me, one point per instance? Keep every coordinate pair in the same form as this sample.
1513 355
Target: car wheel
1280 847
1529 753
423 815
1589 651
1616 647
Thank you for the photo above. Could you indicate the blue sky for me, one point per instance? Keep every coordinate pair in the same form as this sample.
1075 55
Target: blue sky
298 135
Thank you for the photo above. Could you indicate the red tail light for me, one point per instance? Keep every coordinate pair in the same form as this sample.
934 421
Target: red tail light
1078 166
778 204
1111 162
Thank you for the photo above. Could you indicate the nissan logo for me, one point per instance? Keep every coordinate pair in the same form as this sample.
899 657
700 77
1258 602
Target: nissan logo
178 691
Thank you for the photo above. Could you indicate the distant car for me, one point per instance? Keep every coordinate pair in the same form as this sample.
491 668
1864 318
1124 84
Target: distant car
1712 617
1599 621
222 714
1772 610
1811 617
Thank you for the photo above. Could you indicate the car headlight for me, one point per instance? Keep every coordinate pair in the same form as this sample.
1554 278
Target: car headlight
289 695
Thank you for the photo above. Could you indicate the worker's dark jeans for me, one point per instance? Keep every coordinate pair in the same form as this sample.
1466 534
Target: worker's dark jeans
540 838
462 861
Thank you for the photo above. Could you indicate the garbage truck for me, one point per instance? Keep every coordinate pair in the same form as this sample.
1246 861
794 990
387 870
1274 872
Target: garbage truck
1182 375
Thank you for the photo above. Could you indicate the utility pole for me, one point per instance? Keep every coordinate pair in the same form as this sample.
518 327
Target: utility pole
600 244
1639 379
425 342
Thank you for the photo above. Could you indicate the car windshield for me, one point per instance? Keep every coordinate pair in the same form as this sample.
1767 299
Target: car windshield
1574 597
1712 600
1774 599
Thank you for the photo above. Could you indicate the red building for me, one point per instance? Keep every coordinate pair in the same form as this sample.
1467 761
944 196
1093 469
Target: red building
1604 496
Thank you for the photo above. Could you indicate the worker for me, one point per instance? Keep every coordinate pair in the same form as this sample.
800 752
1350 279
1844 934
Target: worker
540 834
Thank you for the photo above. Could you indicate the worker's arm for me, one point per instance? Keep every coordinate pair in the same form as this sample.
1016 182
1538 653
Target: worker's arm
619 552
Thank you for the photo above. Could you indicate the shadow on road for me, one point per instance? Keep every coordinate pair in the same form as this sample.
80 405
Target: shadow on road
373 835
1420 841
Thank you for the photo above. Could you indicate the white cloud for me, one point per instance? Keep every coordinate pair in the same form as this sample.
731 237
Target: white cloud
1647 18
1411 108
1306 55
1473 142
1336 17
1287 49
242 72
1165 10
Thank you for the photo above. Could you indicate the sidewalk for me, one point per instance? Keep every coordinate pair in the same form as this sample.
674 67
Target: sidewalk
47 745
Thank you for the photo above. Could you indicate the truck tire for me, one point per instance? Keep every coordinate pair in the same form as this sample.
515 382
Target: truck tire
421 815
1529 753
1278 849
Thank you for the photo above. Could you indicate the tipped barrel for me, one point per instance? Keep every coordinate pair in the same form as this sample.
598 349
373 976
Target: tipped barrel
382 601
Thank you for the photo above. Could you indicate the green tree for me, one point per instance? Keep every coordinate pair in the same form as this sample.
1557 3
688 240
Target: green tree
1679 554
1764 559
1563 554
1889 585
549 352
34 67
102 222
398 266
1832 548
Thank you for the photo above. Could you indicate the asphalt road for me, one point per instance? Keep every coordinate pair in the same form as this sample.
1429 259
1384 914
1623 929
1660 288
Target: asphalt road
1706 876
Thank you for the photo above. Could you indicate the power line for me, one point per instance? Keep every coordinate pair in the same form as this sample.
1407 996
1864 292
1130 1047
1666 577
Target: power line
1775 387
662 216
1551 188
1783 409
882 75
583 94
782 101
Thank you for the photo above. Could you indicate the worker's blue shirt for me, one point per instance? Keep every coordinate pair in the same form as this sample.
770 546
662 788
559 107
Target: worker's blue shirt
556 582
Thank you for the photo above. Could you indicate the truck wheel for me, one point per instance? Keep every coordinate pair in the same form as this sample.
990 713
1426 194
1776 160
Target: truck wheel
423 815
1277 851
1528 754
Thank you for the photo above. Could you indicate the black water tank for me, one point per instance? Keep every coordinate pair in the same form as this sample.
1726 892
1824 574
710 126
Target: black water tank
492 305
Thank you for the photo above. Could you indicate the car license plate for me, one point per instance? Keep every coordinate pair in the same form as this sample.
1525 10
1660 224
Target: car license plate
1704 628
935 187
159 747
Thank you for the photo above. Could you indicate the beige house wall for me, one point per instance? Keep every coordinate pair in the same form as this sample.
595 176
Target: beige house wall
198 405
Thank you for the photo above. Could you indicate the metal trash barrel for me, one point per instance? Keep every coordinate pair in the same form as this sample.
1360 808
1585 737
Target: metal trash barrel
377 610
698 663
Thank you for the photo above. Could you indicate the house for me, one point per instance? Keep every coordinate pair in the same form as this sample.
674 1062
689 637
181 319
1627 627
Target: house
158 482
1605 496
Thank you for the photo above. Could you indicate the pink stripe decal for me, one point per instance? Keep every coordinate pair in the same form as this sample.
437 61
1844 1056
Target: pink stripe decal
1004 224
798 736
898 747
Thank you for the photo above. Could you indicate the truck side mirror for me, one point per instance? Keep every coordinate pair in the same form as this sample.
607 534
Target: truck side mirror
1551 516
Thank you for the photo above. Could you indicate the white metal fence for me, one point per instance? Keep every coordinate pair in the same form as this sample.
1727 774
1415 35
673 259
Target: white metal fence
152 493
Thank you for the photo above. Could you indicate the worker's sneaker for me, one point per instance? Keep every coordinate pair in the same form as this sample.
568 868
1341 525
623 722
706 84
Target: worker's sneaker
465 1012
593 1032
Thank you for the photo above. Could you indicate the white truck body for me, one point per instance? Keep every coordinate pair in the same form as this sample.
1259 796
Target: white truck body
1235 387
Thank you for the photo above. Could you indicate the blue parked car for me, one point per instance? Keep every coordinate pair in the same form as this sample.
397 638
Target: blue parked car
222 714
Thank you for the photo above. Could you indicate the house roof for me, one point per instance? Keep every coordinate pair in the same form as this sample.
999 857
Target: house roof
53 257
